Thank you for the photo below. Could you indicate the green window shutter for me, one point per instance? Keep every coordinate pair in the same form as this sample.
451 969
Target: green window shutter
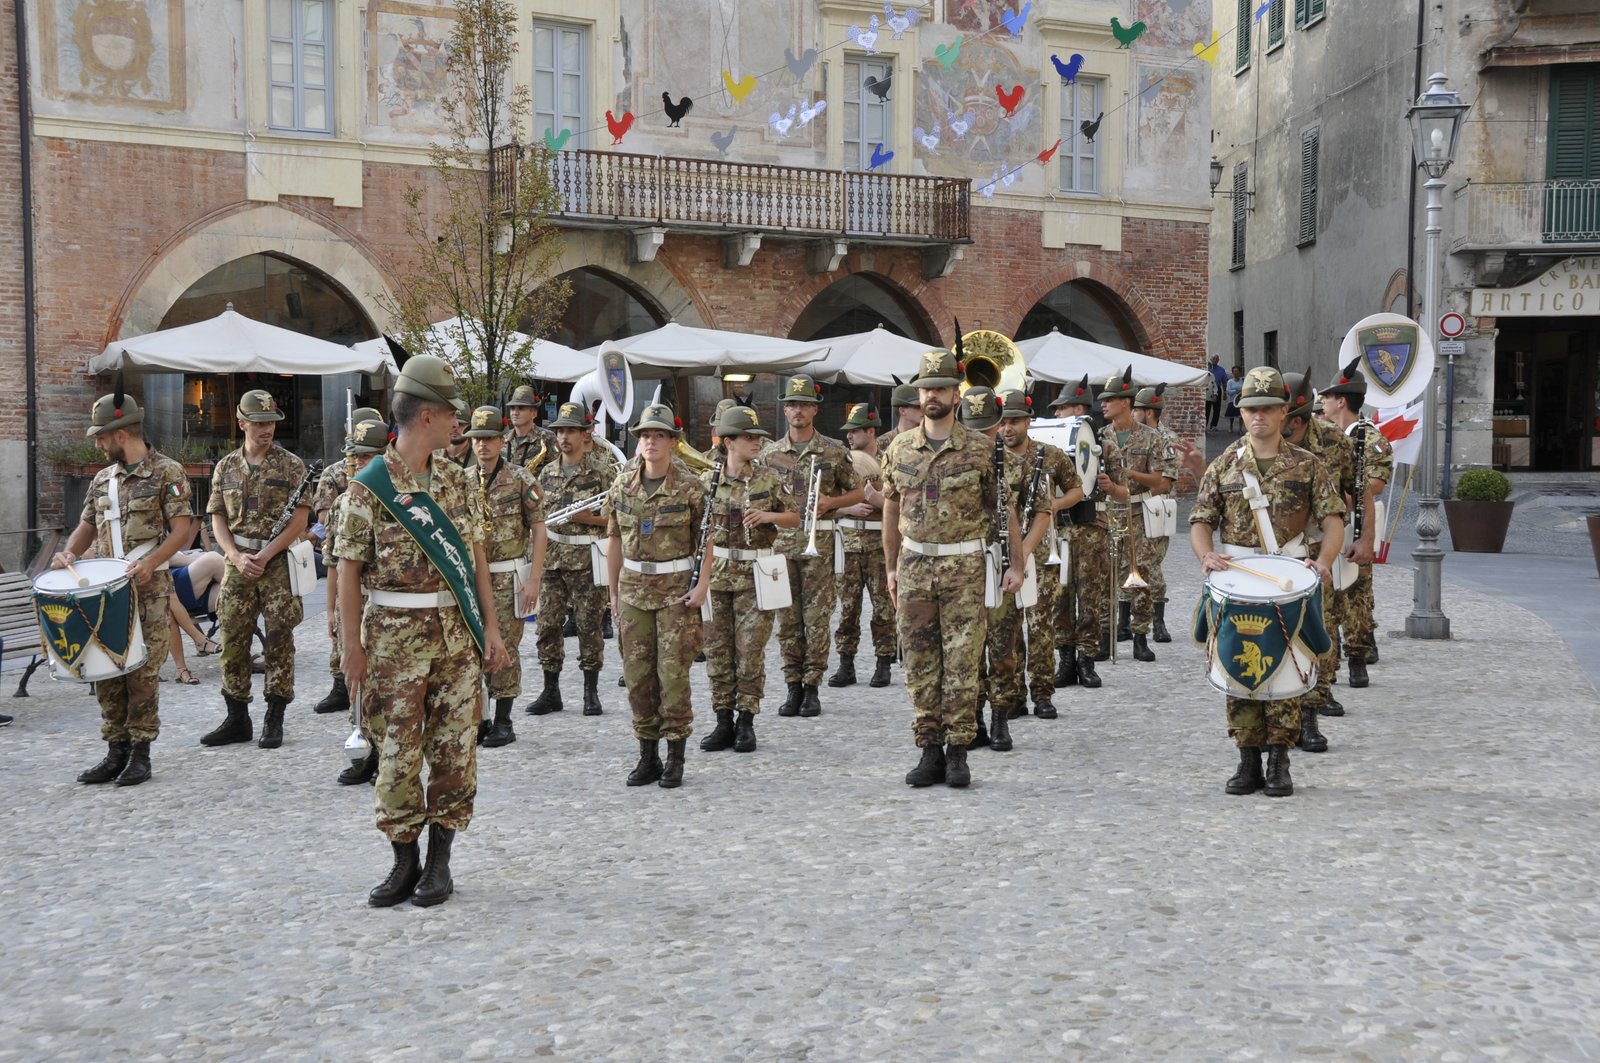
1315 9
1300 13
1241 55
1572 211
1241 182
1275 24
1309 147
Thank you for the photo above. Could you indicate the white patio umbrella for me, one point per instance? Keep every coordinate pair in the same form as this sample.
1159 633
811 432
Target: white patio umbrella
876 357
1059 359
233 343
551 360
685 351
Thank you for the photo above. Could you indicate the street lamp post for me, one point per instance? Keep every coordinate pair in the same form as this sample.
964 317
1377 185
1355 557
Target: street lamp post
1435 128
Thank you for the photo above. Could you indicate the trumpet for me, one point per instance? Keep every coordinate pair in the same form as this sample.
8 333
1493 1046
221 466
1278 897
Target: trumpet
811 511
566 513
356 747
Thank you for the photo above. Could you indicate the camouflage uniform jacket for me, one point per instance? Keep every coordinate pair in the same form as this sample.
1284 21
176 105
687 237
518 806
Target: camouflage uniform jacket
335 478
392 560
1060 476
151 493
514 507
330 555
1299 490
532 451
948 496
1336 450
1113 465
655 527
466 461
1146 452
792 461
589 478
763 490
860 540
1380 452
252 499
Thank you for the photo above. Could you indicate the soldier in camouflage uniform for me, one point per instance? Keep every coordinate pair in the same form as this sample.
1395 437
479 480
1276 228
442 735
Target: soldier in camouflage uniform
940 495
250 488
1149 468
861 530
803 627
1330 447
907 406
152 498
579 473
1059 488
330 486
369 439
527 444
1147 409
1341 404
1304 508
425 674
750 504
656 507
459 449
512 517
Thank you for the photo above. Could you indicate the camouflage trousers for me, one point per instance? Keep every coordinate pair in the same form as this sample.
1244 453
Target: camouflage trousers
506 682
1152 565
942 633
129 703
1084 607
1253 724
1335 608
1357 618
803 627
1001 684
1039 625
736 651
335 641
563 589
239 603
1135 546
423 710
864 571
658 646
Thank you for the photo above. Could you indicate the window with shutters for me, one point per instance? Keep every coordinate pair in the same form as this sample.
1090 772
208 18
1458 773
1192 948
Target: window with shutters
1308 11
1241 178
1572 195
300 36
868 95
1275 24
1308 187
560 83
1241 37
1079 157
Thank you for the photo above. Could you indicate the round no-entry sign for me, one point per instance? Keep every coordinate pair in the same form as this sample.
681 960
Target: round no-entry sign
1452 325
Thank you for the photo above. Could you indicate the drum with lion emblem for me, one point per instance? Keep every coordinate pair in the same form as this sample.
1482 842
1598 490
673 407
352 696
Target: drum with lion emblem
90 633
1261 627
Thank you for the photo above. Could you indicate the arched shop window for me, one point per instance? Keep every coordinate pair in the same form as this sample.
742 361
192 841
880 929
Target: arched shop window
860 303
1080 309
603 307
192 414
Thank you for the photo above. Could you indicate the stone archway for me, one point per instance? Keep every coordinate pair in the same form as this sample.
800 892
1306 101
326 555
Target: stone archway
903 278
857 302
1113 286
607 253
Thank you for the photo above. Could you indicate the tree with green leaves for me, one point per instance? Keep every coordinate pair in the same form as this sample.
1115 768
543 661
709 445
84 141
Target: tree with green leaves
481 236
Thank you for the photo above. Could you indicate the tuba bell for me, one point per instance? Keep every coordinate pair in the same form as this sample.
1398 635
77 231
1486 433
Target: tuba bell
992 361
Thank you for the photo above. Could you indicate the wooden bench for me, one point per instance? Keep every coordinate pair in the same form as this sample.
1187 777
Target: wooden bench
19 624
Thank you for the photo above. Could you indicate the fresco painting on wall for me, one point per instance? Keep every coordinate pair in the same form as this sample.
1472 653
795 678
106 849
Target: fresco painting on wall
407 76
968 88
1165 103
114 52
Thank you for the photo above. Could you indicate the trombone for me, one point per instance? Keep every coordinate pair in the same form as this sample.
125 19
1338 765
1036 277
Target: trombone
812 500
566 513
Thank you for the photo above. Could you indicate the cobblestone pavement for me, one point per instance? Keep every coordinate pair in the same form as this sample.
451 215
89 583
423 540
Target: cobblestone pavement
1427 894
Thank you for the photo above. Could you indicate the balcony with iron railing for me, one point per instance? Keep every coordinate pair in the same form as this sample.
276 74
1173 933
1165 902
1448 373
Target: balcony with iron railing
605 188
1555 216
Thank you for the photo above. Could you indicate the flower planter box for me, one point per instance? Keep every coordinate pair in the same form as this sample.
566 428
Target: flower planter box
1478 527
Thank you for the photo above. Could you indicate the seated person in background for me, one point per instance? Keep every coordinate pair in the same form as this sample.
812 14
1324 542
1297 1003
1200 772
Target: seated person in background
196 576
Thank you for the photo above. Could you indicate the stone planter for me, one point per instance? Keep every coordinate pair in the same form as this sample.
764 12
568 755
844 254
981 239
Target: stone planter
1478 527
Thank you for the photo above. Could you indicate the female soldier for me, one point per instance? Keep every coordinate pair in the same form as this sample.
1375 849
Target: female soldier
751 503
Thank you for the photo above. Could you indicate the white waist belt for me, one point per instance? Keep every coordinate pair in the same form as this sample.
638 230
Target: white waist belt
860 524
144 550
969 546
728 553
572 540
249 543
408 600
1099 507
823 525
505 566
657 568
1293 548
1138 497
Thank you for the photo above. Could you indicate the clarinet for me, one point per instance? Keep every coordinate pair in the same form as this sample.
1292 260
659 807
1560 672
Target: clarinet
1004 516
705 526
1032 497
1358 504
313 470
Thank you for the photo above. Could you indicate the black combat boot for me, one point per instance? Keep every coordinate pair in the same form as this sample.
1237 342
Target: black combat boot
980 738
115 760
809 704
502 733
1044 708
436 885
1372 654
1124 621
549 699
721 736
648 770
1158 625
956 772
1066 667
1142 650
236 728
845 675
744 733
138 769
1330 706
880 674
1358 672
360 771
402 879
791 704
1086 672
672 775
1278 782
1248 779
1000 733
1104 653
1312 739
1019 710
338 699
929 770
272 725
591 692
622 681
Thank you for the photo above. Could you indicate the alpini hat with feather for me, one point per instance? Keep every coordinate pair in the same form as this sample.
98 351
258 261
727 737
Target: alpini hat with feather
113 411
1119 386
1074 394
1349 381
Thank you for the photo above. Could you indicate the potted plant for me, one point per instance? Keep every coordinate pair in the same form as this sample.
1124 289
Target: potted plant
74 457
1479 514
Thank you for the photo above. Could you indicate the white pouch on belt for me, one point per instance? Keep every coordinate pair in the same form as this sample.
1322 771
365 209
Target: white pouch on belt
991 576
838 551
302 568
1155 516
519 578
1064 552
772 582
1028 596
600 570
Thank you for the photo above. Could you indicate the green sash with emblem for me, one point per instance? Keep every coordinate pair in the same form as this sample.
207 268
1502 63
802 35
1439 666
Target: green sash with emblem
432 530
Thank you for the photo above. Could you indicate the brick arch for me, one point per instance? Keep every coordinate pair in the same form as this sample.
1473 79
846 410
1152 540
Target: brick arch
904 278
1116 285
670 290
286 230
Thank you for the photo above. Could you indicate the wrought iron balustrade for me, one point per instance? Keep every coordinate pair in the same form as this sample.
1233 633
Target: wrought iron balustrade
1528 214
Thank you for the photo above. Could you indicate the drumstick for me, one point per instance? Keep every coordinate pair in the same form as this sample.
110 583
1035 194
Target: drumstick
83 581
1282 584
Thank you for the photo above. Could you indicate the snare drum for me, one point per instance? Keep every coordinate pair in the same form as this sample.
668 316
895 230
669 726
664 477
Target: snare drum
90 633
1261 640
